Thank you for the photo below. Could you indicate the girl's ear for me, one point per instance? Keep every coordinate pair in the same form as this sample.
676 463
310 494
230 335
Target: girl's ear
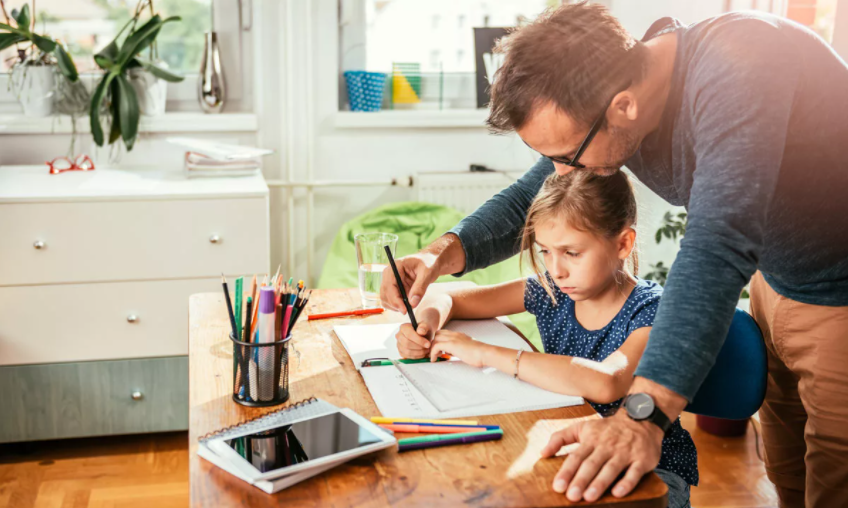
626 243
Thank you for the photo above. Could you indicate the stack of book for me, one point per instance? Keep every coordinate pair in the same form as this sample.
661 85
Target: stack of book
205 158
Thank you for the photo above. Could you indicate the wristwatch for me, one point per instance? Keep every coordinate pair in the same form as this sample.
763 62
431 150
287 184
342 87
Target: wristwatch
641 406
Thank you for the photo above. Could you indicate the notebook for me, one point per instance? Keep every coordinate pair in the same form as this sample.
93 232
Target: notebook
290 445
445 389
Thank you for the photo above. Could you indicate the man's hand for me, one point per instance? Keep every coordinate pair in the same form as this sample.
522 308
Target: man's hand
611 446
416 272
442 257
607 447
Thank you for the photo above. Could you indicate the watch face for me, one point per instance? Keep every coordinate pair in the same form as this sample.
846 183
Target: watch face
640 406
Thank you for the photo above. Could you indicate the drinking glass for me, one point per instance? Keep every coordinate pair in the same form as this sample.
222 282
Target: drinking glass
372 260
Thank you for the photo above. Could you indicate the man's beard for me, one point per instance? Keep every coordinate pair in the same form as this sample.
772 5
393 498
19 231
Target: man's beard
623 144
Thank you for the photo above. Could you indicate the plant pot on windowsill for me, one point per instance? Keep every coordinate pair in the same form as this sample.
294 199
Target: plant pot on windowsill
34 84
152 90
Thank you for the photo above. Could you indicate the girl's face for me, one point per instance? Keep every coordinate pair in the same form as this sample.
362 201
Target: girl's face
582 264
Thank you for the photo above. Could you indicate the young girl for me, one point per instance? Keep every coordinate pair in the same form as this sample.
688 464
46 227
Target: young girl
593 315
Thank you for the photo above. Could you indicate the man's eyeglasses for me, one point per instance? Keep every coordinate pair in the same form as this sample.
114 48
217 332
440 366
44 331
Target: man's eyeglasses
596 126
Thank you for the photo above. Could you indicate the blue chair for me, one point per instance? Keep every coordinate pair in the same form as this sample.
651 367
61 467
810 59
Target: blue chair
736 385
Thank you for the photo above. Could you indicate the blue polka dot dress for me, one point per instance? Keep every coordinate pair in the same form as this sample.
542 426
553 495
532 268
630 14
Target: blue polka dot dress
562 334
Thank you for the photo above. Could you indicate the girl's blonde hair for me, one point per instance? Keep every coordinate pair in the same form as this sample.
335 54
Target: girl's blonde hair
597 204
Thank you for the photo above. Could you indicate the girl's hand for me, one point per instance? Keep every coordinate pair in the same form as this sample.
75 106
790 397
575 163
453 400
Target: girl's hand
412 344
458 344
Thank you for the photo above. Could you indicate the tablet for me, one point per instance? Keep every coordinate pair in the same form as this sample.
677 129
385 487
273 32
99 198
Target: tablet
302 445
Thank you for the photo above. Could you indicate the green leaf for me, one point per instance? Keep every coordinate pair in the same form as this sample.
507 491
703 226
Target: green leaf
66 64
115 131
128 108
94 110
9 39
658 236
159 72
22 17
105 59
44 44
143 37
10 28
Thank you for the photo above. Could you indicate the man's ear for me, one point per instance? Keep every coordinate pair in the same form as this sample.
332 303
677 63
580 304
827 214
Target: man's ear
626 243
623 108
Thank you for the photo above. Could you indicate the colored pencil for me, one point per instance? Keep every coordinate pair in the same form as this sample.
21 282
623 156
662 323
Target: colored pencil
412 428
401 288
416 443
358 312
230 313
424 426
385 419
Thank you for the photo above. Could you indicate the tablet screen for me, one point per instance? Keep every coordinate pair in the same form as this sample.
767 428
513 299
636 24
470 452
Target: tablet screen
301 442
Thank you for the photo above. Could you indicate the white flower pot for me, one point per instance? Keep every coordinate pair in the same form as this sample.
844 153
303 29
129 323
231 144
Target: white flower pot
152 92
34 86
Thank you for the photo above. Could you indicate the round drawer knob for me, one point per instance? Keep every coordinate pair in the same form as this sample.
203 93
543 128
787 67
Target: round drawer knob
132 318
39 245
214 239
137 395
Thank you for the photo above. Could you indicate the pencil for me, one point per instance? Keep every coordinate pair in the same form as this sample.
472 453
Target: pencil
229 306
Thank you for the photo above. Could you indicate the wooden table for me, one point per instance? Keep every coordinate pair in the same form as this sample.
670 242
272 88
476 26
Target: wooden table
498 473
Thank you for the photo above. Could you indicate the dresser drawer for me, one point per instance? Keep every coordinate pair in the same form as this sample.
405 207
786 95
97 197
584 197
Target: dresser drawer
46 243
93 398
106 321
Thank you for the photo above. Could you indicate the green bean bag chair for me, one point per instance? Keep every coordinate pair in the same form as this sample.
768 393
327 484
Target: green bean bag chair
417 225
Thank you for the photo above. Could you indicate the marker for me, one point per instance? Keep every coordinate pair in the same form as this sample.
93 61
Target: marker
386 363
265 331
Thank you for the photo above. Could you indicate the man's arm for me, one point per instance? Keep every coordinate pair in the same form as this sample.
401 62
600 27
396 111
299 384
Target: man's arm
485 237
491 234
740 118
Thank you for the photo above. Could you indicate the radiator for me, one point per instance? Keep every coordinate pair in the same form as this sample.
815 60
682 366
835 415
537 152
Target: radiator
464 191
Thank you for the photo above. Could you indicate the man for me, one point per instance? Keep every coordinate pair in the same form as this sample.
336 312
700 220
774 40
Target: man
742 119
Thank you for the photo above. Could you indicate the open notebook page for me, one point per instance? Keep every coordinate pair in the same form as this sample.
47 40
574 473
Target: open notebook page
378 341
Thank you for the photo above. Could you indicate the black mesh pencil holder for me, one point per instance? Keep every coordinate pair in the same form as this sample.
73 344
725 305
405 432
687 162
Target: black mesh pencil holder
260 372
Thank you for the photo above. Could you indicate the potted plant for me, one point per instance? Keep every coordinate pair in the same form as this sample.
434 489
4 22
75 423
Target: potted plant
39 58
115 97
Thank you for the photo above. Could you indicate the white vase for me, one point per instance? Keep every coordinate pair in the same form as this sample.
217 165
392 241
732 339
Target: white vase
34 85
152 92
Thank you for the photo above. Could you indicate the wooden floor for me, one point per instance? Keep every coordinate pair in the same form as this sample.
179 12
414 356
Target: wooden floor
152 471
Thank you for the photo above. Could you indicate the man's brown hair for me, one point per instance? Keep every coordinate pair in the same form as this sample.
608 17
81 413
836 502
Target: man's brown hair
577 56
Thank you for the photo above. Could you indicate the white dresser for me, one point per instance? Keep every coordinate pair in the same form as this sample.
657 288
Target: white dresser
95 273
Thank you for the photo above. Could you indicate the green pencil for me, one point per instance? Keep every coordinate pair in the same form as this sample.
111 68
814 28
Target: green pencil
443 437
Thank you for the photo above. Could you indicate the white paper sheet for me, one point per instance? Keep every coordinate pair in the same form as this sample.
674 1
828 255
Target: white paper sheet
445 389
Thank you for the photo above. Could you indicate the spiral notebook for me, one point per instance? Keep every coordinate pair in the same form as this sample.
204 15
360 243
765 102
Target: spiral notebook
290 445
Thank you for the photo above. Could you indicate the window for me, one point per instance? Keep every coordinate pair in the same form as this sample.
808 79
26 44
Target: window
86 26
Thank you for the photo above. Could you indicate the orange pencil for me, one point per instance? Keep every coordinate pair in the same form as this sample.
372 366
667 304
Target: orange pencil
359 312
429 429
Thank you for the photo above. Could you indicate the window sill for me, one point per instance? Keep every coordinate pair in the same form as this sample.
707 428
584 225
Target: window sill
169 122
421 119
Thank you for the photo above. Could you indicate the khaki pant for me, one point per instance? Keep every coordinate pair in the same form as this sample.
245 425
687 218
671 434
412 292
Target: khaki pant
805 414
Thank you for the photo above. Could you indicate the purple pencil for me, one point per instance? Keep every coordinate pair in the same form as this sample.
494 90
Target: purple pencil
494 436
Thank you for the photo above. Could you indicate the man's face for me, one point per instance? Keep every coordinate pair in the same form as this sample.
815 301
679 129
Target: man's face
553 133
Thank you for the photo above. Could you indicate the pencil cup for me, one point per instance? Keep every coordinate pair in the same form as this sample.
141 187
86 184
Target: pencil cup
261 372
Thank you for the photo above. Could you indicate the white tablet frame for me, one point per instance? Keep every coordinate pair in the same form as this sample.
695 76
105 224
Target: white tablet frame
222 449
